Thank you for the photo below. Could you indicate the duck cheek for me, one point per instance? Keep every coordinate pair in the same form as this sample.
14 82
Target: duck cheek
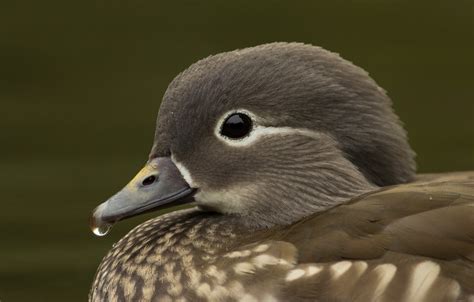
219 171
235 199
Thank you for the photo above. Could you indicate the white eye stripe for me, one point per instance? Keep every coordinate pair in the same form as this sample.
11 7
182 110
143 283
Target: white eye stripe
258 131
261 131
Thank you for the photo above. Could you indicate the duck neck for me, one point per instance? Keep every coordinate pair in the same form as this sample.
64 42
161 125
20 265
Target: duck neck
283 206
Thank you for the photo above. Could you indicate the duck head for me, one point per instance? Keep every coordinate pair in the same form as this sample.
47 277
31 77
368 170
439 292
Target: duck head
269 134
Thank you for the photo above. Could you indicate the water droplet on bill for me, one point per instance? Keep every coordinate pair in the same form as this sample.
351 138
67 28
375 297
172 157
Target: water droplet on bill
97 223
101 230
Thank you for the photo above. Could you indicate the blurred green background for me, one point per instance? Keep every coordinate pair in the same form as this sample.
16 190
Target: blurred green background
81 83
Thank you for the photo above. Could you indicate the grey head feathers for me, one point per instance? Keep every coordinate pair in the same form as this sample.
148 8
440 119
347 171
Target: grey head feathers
323 132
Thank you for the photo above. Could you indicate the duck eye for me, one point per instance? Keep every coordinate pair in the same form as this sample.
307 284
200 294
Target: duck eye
236 126
149 180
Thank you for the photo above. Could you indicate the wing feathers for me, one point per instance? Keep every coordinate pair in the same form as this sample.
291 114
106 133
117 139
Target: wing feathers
416 242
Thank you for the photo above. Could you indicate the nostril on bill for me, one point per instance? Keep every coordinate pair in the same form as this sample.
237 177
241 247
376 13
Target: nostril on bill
149 180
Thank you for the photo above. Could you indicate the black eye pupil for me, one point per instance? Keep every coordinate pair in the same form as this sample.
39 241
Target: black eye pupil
236 126
149 180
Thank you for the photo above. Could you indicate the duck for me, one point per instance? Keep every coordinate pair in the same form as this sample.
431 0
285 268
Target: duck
297 183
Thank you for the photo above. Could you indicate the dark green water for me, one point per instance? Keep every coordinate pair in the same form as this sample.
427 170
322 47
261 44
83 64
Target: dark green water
81 82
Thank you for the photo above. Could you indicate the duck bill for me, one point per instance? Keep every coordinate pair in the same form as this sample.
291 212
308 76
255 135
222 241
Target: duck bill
159 185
